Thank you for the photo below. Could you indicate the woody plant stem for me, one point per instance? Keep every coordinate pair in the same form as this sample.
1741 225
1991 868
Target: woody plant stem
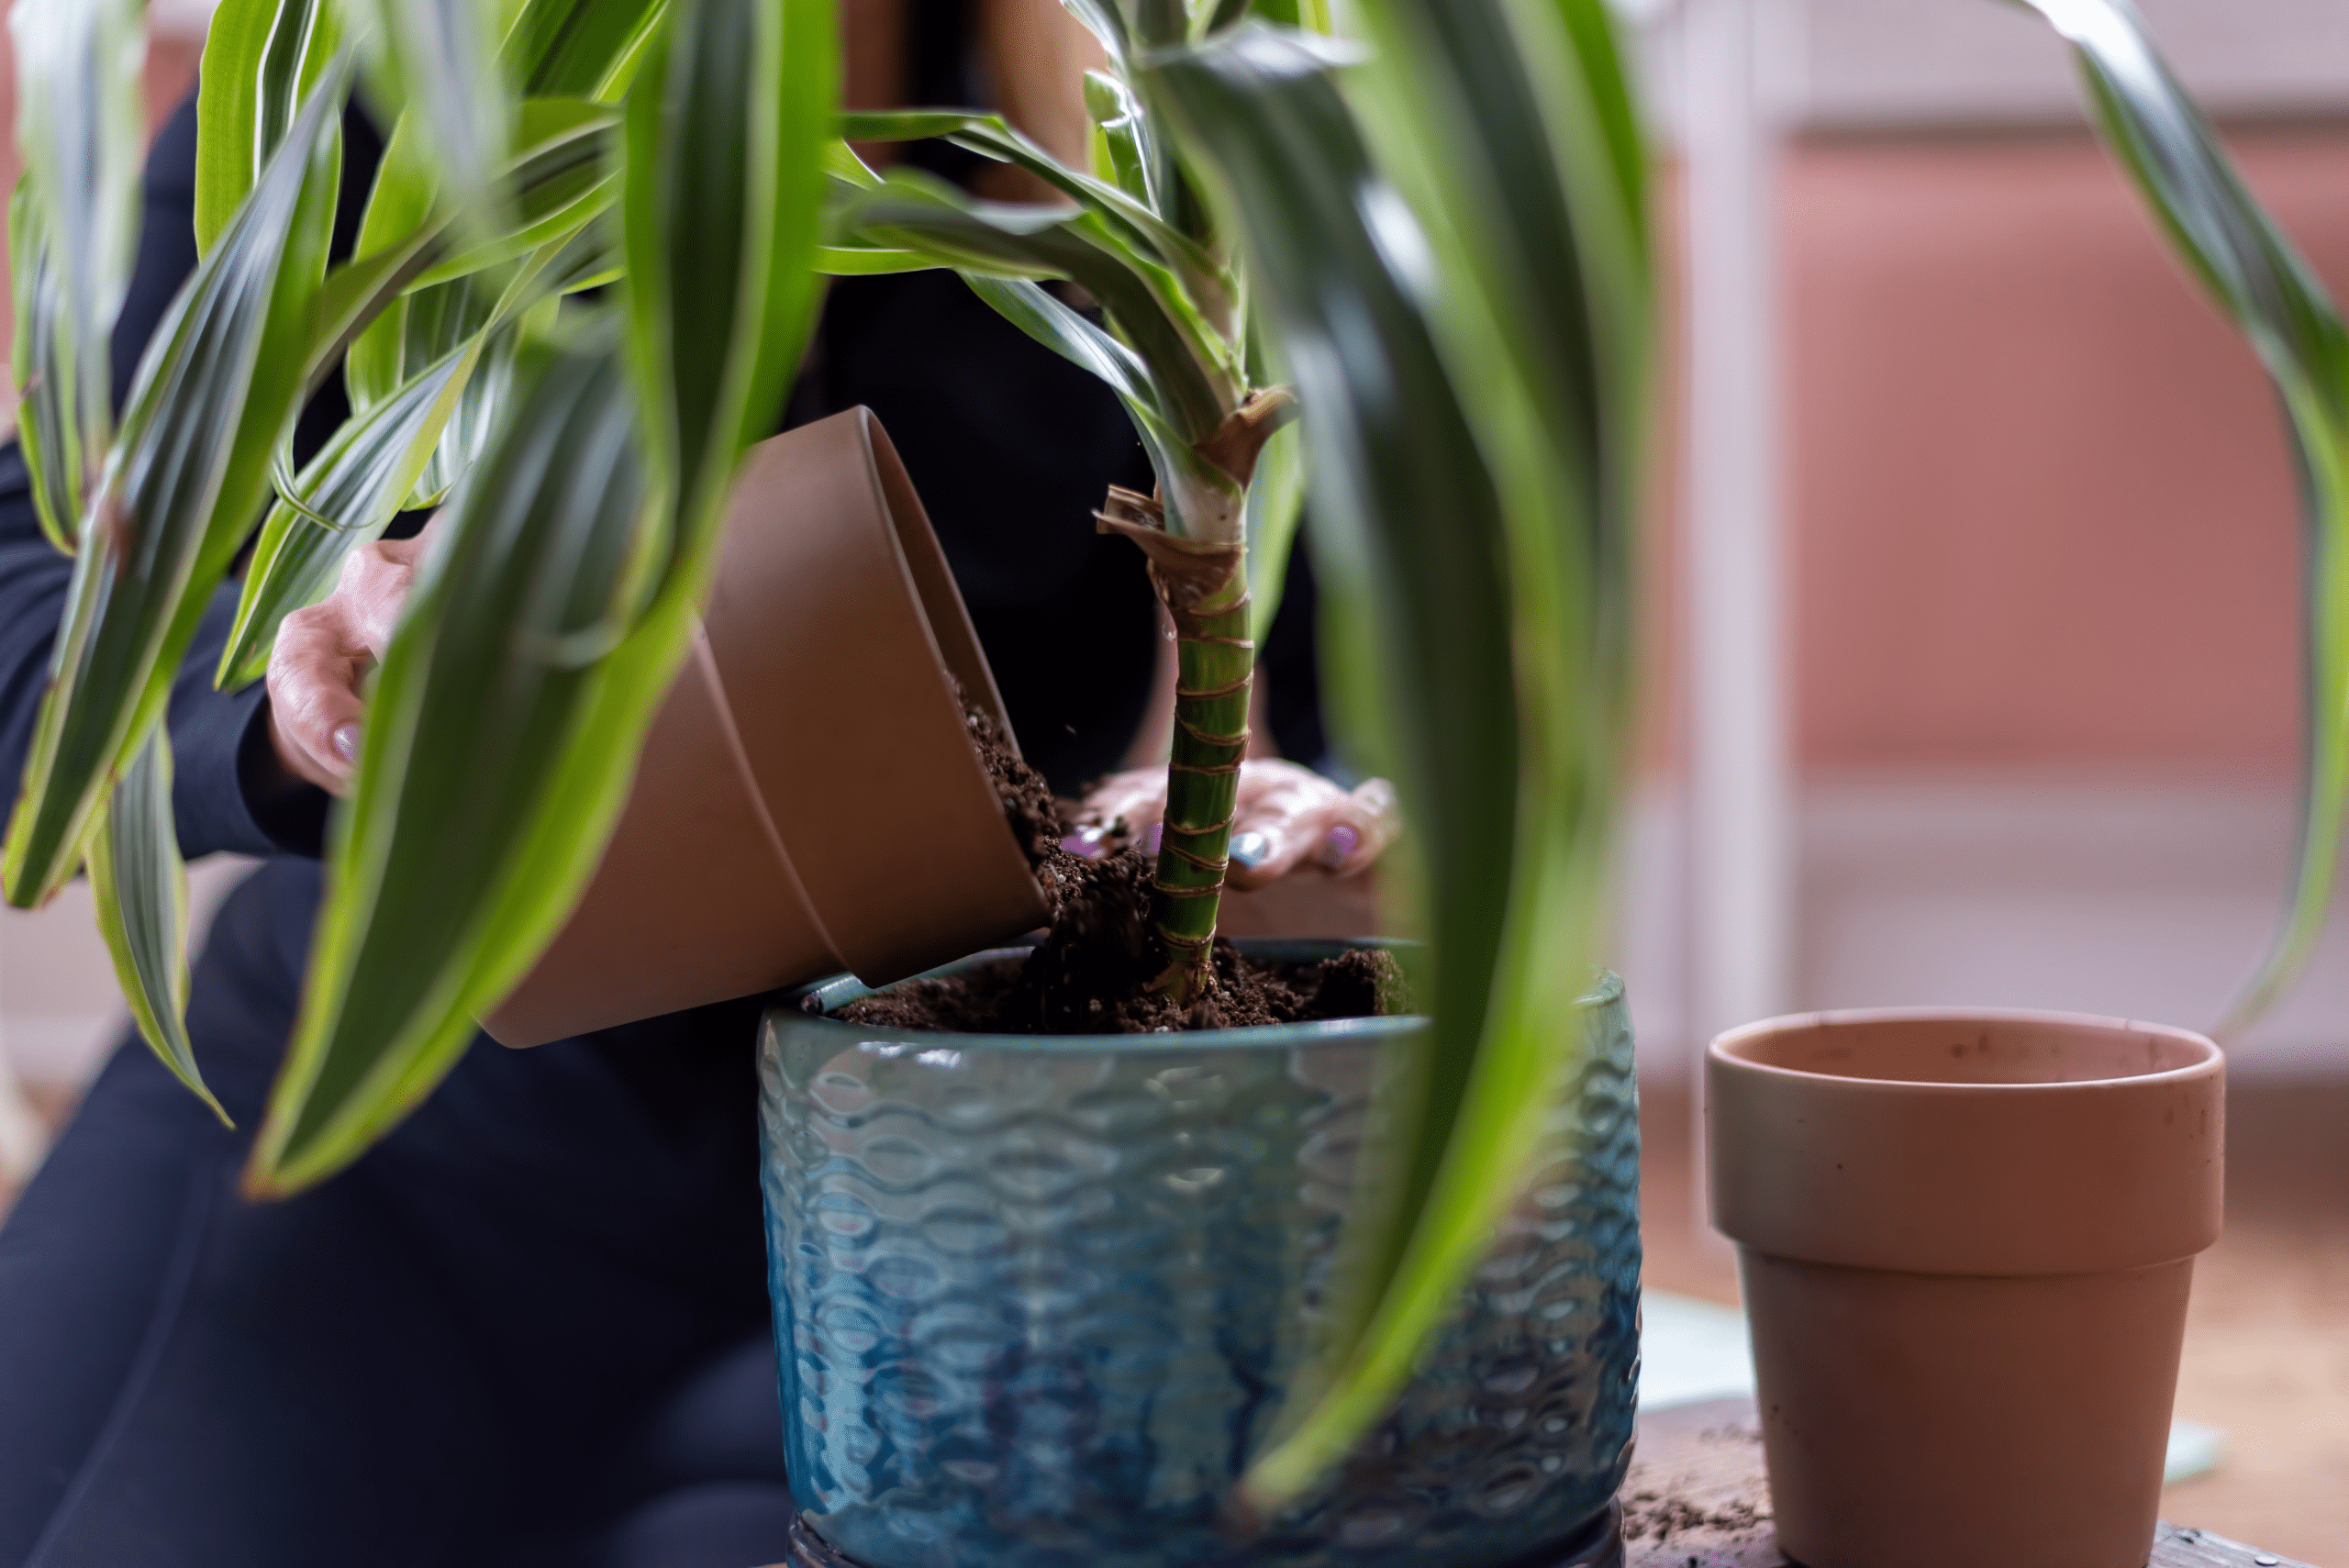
1203 583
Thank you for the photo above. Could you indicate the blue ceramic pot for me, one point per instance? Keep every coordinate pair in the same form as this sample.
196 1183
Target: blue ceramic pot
1037 1298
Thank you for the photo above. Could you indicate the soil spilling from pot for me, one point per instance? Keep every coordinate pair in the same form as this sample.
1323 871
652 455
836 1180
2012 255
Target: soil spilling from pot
1092 972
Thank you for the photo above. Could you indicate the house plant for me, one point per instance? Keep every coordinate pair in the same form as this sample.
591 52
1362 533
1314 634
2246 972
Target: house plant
1454 275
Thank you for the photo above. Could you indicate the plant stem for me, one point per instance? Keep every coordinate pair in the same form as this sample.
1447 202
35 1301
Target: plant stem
1216 663
1203 583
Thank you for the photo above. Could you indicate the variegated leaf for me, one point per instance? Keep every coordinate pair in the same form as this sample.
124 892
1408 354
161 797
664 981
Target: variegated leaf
80 129
218 387
140 887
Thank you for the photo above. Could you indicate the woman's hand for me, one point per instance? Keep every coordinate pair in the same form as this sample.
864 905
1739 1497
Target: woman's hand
322 657
1288 817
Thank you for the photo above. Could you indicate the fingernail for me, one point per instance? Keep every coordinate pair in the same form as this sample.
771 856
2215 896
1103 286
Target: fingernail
345 741
1085 846
1251 848
1338 846
1155 837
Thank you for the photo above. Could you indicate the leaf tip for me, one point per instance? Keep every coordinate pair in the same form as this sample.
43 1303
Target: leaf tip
264 1182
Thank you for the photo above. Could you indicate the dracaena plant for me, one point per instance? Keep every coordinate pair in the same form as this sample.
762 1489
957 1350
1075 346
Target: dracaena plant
1462 307
1175 347
534 149
1428 240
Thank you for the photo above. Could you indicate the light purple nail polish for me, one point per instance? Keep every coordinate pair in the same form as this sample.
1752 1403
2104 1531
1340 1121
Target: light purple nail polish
1085 846
1155 837
1251 848
345 741
1338 846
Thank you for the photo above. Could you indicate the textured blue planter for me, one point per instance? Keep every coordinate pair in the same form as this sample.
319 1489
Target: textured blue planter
1037 1299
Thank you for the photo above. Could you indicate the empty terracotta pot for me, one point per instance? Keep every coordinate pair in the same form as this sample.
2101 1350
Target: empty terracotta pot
808 799
1965 1241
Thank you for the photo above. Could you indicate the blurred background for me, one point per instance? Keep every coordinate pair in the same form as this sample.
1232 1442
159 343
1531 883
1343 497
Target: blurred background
1974 674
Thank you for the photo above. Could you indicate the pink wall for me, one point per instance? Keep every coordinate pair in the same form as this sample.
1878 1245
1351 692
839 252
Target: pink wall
2042 513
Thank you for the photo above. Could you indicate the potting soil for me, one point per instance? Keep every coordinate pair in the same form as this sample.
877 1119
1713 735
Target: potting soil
1092 972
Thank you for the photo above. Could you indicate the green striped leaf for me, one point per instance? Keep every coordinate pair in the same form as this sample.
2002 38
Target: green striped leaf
80 129
550 621
448 317
869 261
588 259
1276 506
576 48
562 175
1193 487
46 435
1158 24
1122 137
1469 533
1508 128
219 384
1223 14
480 394
1068 334
1312 15
557 186
483 702
1207 287
404 245
141 891
729 136
344 498
262 58
1104 21
436 62
918 211
2254 274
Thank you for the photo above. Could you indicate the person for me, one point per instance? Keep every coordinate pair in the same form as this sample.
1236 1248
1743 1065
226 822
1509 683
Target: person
530 1326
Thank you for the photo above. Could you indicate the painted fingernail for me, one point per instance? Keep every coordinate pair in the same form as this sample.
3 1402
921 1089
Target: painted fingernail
1251 848
345 741
1338 846
1086 845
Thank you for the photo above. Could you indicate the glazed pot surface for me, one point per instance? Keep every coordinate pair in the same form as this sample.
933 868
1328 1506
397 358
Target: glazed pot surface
1039 1298
1965 1241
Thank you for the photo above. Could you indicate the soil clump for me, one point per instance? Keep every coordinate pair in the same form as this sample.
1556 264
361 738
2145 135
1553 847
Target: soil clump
1092 971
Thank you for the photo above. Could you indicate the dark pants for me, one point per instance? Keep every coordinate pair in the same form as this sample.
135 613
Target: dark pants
530 1329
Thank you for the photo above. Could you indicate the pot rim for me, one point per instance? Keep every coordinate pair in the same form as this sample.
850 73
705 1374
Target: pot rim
841 989
1720 1053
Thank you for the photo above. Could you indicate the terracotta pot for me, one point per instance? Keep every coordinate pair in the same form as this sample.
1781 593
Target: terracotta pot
808 799
1965 1241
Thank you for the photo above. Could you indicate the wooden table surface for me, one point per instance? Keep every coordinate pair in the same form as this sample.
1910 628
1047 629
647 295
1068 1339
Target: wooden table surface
1697 1498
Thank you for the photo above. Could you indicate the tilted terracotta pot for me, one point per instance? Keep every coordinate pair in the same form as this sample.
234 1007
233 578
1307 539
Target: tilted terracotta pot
808 799
1965 1241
